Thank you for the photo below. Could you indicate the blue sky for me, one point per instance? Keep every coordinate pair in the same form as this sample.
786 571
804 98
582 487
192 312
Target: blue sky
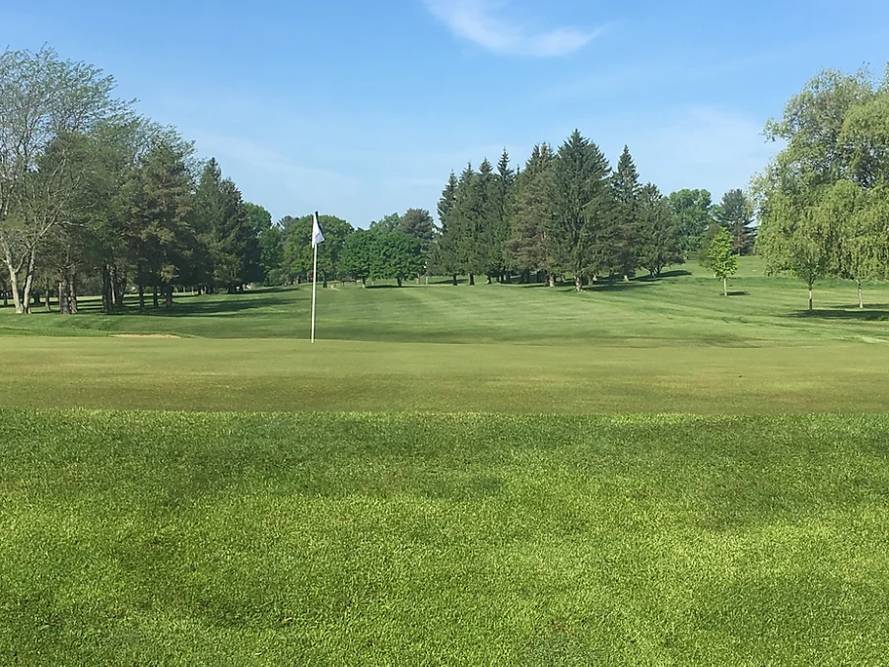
362 108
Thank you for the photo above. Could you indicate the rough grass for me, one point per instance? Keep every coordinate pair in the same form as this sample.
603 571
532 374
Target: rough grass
188 538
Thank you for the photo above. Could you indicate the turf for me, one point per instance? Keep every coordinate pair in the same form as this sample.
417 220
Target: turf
188 538
672 345
450 476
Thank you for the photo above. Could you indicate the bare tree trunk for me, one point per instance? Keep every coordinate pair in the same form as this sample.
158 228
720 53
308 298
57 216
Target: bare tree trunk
63 299
725 287
472 279
811 299
578 283
72 292
860 296
454 279
168 296
48 293
551 280
154 300
141 295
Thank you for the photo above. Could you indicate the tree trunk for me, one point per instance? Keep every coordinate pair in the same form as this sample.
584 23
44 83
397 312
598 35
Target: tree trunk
454 279
63 299
398 280
811 299
72 292
472 279
47 299
141 296
551 280
154 300
578 283
860 296
107 296
168 296
725 287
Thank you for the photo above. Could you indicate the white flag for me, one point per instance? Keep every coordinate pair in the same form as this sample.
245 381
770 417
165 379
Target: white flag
317 236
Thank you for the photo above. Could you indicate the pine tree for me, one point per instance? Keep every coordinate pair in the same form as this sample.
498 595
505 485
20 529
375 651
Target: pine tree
624 233
467 223
489 249
444 252
580 179
533 213
506 180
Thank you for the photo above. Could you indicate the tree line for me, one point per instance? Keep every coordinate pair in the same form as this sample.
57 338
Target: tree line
96 198
93 194
824 200
568 214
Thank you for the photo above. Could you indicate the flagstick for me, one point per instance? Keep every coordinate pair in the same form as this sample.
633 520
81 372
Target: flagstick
314 287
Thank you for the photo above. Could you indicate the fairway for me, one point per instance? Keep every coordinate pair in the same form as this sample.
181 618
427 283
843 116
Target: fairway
673 345
177 538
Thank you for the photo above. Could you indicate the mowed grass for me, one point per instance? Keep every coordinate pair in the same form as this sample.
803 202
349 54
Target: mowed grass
430 484
232 538
683 308
663 346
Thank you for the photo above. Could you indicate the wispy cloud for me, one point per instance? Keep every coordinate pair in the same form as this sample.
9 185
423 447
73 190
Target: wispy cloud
485 23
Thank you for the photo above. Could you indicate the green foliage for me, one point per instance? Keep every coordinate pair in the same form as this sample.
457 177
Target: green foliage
622 237
694 212
580 186
660 237
533 213
298 246
735 214
719 256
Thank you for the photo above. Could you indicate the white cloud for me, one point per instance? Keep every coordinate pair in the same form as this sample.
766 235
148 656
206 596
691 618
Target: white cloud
482 22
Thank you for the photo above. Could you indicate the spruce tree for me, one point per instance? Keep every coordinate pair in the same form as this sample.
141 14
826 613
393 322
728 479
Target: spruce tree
624 232
444 252
526 247
580 192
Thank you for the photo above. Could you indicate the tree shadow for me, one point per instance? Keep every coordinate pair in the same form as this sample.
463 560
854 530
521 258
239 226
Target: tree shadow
738 293
618 285
871 313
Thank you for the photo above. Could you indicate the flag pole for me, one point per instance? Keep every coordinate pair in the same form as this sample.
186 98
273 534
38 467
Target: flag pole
314 280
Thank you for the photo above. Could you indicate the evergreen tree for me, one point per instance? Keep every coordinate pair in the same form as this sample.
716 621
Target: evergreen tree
735 214
580 187
533 213
160 200
623 236
488 255
444 252
466 224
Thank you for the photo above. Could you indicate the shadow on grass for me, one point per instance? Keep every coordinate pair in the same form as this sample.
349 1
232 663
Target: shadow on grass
871 313
738 293
189 305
